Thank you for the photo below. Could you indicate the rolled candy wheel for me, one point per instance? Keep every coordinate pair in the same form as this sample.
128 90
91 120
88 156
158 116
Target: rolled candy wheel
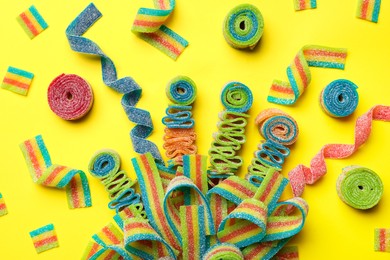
339 98
70 96
236 97
243 26
181 90
359 187
104 163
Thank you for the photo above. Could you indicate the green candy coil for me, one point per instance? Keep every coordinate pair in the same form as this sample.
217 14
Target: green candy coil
243 26
359 187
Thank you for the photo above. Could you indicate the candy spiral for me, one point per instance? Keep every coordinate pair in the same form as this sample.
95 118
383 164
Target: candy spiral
70 96
236 97
243 26
178 142
105 165
276 125
339 98
359 187
181 90
227 141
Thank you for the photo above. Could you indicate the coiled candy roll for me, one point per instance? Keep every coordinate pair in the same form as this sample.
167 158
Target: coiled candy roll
105 165
179 138
237 99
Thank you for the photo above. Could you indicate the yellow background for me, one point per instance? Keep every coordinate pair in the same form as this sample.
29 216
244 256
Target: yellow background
332 231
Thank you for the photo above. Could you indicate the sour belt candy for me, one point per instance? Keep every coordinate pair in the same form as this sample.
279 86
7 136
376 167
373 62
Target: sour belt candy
44 238
32 22
17 80
3 206
149 24
302 175
382 240
243 26
359 187
298 73
304 4
368 10
45 173
70 96
339 98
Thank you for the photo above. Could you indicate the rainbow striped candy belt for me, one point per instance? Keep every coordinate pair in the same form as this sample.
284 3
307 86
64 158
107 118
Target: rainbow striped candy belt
180 220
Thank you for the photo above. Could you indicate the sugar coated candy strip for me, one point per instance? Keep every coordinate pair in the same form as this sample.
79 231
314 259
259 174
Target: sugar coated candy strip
298 73
340 98
149 25
3 206
243 26
304 4
223 251
302 175
70 96
44 238
17 81
287 253
45 173
126 85
368 10
32 22
382 240
359 187
105 165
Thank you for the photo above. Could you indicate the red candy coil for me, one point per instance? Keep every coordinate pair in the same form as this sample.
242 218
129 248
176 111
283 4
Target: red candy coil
70 96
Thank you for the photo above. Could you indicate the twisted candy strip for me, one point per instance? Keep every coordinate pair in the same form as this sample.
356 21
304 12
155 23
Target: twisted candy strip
127 85
149 24
180 136
279 129
105 165
45 173
182 232
237 99
298 73
302 175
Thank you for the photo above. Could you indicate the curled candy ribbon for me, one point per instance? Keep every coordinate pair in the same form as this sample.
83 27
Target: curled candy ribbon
298 73
45 173
126 85
180 221
149 24
302 175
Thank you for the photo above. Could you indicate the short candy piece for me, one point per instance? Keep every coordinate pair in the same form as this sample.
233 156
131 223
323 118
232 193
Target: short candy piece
181 91
359 187
368 10
44 238
382 239
243 26
339 98
70 96
32 22
17 81
236 97
304 4
3 207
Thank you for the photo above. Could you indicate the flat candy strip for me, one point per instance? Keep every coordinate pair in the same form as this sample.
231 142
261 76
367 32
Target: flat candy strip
70 96
243 26
149 25
359 187
298 73
382 240
339 98
44 238
368 10
302 175
45 173
3 206
17 80
32 22
304 4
